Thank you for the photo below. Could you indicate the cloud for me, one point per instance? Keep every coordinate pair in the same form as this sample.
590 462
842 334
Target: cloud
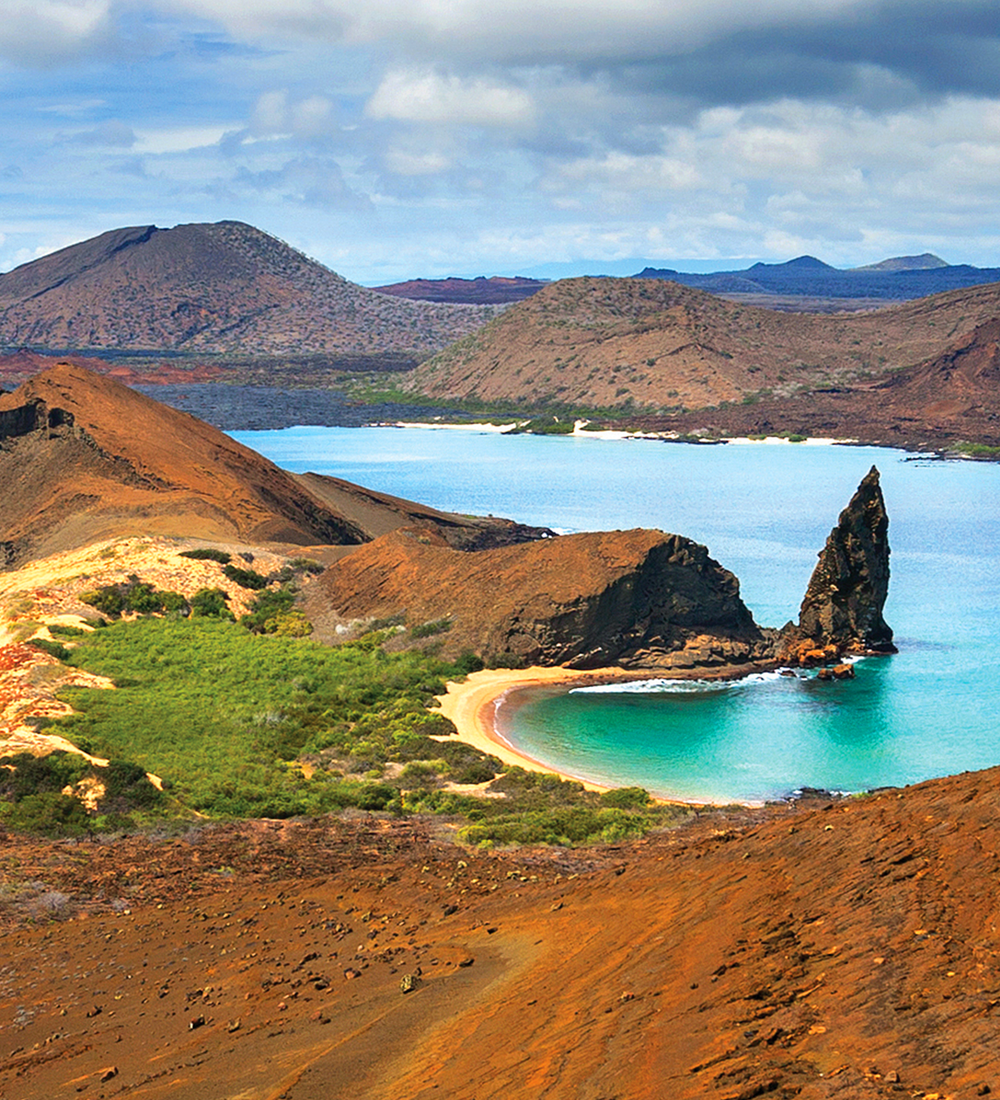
276 115
429 97
43 31
112 134
308 181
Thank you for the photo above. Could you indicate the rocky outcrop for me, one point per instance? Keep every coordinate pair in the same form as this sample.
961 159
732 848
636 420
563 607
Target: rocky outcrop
633 598
842 609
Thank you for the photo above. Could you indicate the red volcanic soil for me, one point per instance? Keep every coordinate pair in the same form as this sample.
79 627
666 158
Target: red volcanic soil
19 366
839 949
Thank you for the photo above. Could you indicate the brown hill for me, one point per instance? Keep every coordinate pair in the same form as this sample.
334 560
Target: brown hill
223 287
839 949
83 457
653 344
496 290
962 382
586 601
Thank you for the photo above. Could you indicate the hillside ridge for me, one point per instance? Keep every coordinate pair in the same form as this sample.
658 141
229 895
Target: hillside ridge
654 345
211 288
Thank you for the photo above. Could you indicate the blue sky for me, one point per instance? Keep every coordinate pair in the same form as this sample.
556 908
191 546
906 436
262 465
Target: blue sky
397 138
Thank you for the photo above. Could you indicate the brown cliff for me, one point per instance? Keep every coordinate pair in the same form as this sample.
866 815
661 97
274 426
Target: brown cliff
587 600
842 607
83 458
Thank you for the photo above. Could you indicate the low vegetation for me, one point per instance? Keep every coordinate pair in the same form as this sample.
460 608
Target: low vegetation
246 719
50 795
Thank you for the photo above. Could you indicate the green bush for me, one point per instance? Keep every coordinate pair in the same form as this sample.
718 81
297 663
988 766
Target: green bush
24 774
427 630
207 553
53 649
133 595
60 630
49 814
267 607
627 798
210 603
245 578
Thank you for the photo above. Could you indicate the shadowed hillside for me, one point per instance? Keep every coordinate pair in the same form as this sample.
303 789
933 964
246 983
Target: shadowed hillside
83 457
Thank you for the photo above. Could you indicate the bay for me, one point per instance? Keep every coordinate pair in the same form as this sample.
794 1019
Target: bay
764 512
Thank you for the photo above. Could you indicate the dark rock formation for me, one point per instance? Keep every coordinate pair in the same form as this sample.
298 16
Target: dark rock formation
635 598
842 608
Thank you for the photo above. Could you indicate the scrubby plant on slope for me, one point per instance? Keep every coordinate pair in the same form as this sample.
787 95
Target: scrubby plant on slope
242 724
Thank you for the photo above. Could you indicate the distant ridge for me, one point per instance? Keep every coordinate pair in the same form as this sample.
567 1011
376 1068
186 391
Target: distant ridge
495 290
926 261
219 287
901 278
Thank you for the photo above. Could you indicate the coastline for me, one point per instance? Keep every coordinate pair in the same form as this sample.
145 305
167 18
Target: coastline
617 435
471 704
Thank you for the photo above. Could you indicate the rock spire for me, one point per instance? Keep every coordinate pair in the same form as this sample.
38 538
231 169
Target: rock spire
842 607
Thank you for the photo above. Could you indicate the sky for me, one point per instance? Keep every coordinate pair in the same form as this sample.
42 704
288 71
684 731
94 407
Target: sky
392 139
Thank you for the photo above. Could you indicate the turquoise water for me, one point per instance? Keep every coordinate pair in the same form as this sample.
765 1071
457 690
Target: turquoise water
764 512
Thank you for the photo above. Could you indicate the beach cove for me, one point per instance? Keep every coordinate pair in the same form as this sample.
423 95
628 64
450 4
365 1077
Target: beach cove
764 512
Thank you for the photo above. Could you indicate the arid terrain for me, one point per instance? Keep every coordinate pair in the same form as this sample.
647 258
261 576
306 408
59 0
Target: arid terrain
844 949
832 947
652 345
214 288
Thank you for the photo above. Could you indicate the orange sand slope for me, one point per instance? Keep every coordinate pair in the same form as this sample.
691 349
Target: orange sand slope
836 950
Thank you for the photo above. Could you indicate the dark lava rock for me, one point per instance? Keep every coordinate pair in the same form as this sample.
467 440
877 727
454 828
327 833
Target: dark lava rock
843 604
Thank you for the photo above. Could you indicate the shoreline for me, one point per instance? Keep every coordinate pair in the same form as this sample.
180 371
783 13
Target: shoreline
472 704
616 434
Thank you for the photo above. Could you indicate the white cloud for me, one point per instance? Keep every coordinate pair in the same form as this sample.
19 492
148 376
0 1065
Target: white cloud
40 31
429 97
180 139
405 163
111 134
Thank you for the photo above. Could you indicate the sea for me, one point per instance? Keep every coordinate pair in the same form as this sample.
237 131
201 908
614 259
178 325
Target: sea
764 511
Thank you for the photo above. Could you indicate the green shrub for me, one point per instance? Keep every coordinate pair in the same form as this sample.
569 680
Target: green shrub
133 595
210 603
627 798
53 649
207 553
60 630
269 605
245 578
288 624
49 814
469 662
24 774
109 600
427 630
306 565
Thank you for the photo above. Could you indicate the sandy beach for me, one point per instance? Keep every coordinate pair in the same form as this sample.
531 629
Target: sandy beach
472 704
